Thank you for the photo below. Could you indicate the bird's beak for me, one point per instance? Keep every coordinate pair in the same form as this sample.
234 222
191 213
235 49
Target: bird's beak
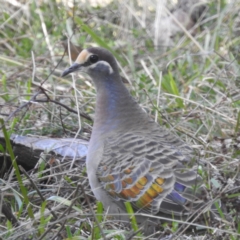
75 67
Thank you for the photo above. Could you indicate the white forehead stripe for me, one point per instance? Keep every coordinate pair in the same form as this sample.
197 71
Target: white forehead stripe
103 63
83 56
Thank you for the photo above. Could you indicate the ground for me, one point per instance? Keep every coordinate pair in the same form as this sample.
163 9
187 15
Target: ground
187 79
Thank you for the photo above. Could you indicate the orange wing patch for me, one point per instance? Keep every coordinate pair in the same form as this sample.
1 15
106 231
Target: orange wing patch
143 181
159 181
152 192
138 192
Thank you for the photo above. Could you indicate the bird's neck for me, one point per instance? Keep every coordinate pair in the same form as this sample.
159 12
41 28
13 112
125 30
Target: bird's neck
115 109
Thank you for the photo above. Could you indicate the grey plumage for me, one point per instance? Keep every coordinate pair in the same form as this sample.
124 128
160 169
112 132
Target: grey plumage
130 157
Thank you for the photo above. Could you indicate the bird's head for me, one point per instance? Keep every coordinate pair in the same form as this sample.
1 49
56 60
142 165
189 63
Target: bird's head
94 61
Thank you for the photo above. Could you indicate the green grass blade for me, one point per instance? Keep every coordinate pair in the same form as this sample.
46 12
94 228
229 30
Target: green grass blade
97 231
132 216
238 123
97 39
174 90
17 172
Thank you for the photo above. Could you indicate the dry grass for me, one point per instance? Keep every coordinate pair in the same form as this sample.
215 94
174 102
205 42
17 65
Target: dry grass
191 87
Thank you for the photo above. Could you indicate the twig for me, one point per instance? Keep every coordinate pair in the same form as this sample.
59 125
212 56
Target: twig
36 188
7 212
63 105
24 105
95 218
66 212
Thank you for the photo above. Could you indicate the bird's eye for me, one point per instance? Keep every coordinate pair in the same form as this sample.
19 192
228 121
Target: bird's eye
93 58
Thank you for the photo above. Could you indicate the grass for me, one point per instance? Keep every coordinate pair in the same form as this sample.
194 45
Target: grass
192 88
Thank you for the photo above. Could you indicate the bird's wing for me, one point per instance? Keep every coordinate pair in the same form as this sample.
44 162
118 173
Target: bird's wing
150 172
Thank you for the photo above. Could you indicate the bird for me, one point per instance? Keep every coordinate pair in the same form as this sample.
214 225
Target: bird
131 158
